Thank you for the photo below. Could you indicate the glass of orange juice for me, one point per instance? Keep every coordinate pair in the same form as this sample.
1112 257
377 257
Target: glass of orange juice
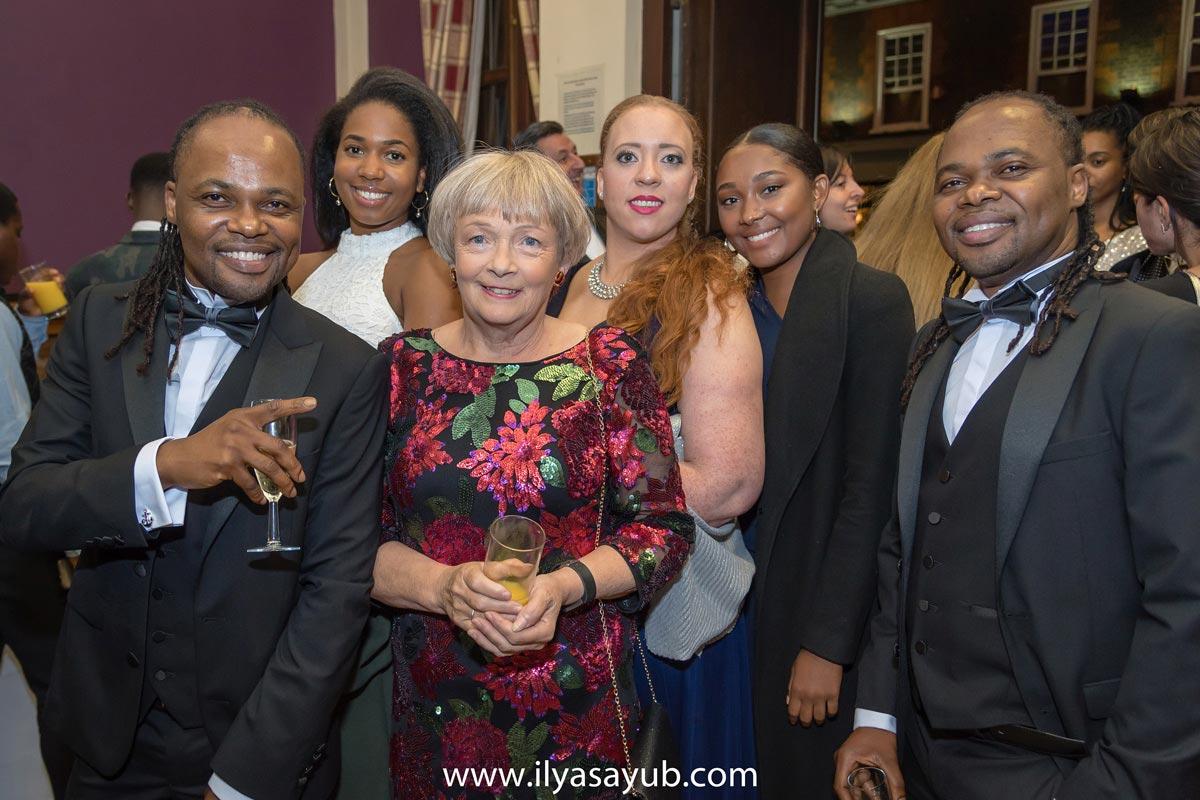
519 538
47 293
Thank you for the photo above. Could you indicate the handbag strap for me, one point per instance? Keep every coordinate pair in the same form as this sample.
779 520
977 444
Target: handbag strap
612 666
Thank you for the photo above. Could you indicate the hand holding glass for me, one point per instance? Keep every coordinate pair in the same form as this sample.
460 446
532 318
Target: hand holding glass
42 284
283 428
522 539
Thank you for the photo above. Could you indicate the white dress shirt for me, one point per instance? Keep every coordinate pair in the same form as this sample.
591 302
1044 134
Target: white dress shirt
204 356
150 225
978 362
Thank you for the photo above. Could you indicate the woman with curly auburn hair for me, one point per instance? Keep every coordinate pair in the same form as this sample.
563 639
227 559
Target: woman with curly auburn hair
681 296
377 157
508 411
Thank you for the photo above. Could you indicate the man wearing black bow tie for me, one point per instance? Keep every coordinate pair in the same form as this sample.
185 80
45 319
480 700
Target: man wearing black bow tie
188 667
1038 634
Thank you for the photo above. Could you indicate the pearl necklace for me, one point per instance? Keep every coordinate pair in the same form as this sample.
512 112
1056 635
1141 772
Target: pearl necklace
598 287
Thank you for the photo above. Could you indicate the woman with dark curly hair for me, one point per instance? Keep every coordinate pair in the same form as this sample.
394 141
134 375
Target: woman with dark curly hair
378 155
1107 146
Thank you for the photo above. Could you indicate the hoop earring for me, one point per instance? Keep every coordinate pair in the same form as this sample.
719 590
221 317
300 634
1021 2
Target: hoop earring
453 278
417 209
333 192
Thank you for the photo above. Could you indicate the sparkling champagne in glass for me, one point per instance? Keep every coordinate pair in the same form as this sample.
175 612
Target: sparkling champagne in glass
283 428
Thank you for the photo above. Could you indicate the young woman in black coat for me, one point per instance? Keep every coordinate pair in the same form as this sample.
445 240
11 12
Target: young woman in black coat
835 336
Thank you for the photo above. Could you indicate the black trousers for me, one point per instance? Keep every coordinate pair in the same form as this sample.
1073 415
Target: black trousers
955 765
168 762
32 602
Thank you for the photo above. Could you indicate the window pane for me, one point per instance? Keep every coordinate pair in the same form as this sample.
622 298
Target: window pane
1081 18
889 47
1196 27
1192 86
1063 47
1048 23
1047 63
916 65
1081 42
902 107
1195 54
1047 46
904 46
1081 59
889 69
918 43
1064 21
1070 89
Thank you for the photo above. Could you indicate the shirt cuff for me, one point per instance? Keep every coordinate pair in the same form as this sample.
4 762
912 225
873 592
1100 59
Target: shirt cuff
153 506
224 791
865 718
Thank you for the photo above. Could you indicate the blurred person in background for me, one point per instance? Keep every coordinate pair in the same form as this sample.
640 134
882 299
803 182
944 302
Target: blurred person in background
899 235
32 599
549 138
130 258
1165 175
839 212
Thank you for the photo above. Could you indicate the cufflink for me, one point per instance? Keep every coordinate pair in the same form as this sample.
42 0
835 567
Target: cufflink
147 519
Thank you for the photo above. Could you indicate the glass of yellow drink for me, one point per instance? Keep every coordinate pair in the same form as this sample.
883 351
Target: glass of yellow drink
522 539
48 295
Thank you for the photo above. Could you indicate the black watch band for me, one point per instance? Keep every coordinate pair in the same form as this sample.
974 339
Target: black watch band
589 584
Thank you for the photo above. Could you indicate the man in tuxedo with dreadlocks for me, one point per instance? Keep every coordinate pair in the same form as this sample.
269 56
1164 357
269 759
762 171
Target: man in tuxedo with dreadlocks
1038 629
186 666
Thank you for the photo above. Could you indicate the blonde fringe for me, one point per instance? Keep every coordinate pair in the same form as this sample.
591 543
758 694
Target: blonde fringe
672 286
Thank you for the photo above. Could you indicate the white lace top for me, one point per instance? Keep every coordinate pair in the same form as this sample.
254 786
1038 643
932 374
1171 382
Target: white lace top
348 287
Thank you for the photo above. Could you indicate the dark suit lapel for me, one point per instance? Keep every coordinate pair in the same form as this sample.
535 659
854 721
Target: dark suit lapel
912 438
809 355
281 368
145 393
1036 406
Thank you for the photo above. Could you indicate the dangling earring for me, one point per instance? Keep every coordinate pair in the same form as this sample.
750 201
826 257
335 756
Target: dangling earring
417 209
818 218
559 278
453 278
333 192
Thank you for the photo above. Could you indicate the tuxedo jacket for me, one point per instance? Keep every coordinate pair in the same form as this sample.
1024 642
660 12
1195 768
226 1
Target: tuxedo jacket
1097 544
275 638
832 421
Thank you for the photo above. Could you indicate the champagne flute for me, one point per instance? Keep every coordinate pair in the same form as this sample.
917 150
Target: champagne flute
868 783
516 537
283 428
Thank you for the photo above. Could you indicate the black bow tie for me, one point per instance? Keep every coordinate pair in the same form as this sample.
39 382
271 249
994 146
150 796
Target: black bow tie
238 322
1018 303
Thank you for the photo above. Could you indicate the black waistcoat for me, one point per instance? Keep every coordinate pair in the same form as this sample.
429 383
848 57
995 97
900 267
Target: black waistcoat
961 674
178 553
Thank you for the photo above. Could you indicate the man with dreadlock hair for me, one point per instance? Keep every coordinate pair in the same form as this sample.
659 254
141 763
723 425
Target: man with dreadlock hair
188 667
1038 627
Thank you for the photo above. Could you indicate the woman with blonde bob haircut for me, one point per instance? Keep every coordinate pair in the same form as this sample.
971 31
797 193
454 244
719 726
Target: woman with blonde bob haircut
510 412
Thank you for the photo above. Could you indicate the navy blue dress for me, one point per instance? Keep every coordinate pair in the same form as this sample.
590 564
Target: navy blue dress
708 696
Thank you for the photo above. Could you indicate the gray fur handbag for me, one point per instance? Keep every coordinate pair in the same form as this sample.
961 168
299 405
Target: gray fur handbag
701 605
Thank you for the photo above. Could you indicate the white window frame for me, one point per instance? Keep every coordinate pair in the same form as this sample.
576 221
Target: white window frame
1185 54
1035 48
881 38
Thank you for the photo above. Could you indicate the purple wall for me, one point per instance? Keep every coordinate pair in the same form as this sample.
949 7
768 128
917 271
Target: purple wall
395 35
91 86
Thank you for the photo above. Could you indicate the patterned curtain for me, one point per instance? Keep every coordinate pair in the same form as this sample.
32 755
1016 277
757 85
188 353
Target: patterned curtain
528 11
446 42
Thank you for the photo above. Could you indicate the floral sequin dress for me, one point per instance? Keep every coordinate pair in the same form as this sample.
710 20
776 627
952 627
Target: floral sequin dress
468 442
